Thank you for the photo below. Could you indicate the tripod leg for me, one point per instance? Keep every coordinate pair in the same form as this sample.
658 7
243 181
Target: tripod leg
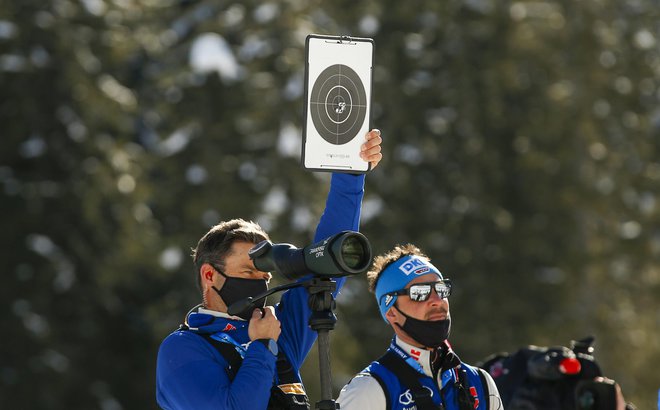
324 365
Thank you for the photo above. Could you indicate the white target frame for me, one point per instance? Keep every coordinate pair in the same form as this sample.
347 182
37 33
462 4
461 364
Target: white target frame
338 82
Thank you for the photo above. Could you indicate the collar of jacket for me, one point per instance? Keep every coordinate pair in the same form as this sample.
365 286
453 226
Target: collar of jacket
202 320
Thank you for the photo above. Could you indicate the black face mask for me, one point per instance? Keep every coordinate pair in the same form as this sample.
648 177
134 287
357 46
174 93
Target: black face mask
429 333
236 289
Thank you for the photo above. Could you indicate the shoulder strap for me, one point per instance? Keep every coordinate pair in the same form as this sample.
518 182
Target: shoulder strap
285 372
484 384
409 377
465 399
228 351
383 385
289 392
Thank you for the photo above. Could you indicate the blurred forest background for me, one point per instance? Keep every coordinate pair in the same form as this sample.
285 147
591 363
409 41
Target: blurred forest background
522 153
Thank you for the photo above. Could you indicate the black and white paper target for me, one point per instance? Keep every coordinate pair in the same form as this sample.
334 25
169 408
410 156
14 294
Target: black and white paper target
338 104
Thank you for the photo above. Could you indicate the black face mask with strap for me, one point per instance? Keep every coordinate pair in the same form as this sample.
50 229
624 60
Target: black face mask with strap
429 333
236 289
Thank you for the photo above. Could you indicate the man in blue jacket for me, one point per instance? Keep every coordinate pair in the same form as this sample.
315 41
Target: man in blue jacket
419 370
250 361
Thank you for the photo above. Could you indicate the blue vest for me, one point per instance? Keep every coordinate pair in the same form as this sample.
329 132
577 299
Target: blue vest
399 397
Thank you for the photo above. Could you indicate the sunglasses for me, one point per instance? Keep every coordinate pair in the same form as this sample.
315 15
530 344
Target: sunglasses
420 292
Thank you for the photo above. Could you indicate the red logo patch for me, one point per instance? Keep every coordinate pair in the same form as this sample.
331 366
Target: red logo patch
473 392
229 327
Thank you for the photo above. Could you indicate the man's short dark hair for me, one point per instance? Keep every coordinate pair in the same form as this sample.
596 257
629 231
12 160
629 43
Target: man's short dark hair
215 245
383 261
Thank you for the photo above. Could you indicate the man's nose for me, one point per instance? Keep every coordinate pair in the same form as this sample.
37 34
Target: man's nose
434 297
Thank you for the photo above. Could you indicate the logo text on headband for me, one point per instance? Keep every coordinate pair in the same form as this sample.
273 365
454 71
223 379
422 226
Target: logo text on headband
416 266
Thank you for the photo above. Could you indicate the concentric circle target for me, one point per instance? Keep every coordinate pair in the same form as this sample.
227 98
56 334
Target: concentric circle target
338 104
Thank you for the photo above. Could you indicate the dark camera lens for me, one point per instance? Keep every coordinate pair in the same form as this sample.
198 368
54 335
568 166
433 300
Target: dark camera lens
353 252
586 400
595 395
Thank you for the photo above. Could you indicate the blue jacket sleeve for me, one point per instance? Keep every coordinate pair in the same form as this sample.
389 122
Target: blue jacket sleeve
342 209
342 212
191 374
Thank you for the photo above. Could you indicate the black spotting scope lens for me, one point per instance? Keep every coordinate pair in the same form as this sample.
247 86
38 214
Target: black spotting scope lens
353 252
345 253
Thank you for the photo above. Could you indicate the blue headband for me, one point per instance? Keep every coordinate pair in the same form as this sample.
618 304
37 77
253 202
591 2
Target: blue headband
397 276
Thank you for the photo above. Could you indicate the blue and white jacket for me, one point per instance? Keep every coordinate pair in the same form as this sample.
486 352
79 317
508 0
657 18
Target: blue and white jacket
192 374
377 388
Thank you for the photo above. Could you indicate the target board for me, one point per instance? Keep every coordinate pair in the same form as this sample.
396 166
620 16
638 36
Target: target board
338 77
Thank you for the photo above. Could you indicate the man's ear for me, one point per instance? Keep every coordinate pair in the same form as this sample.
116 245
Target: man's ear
391 315
206 273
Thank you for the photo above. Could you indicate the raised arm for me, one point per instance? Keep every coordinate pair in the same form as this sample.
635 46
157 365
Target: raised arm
342 212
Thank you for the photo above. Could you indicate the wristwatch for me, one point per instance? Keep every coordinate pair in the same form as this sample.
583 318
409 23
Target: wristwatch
270 344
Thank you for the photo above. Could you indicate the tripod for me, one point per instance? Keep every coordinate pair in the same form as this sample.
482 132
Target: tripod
322 321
